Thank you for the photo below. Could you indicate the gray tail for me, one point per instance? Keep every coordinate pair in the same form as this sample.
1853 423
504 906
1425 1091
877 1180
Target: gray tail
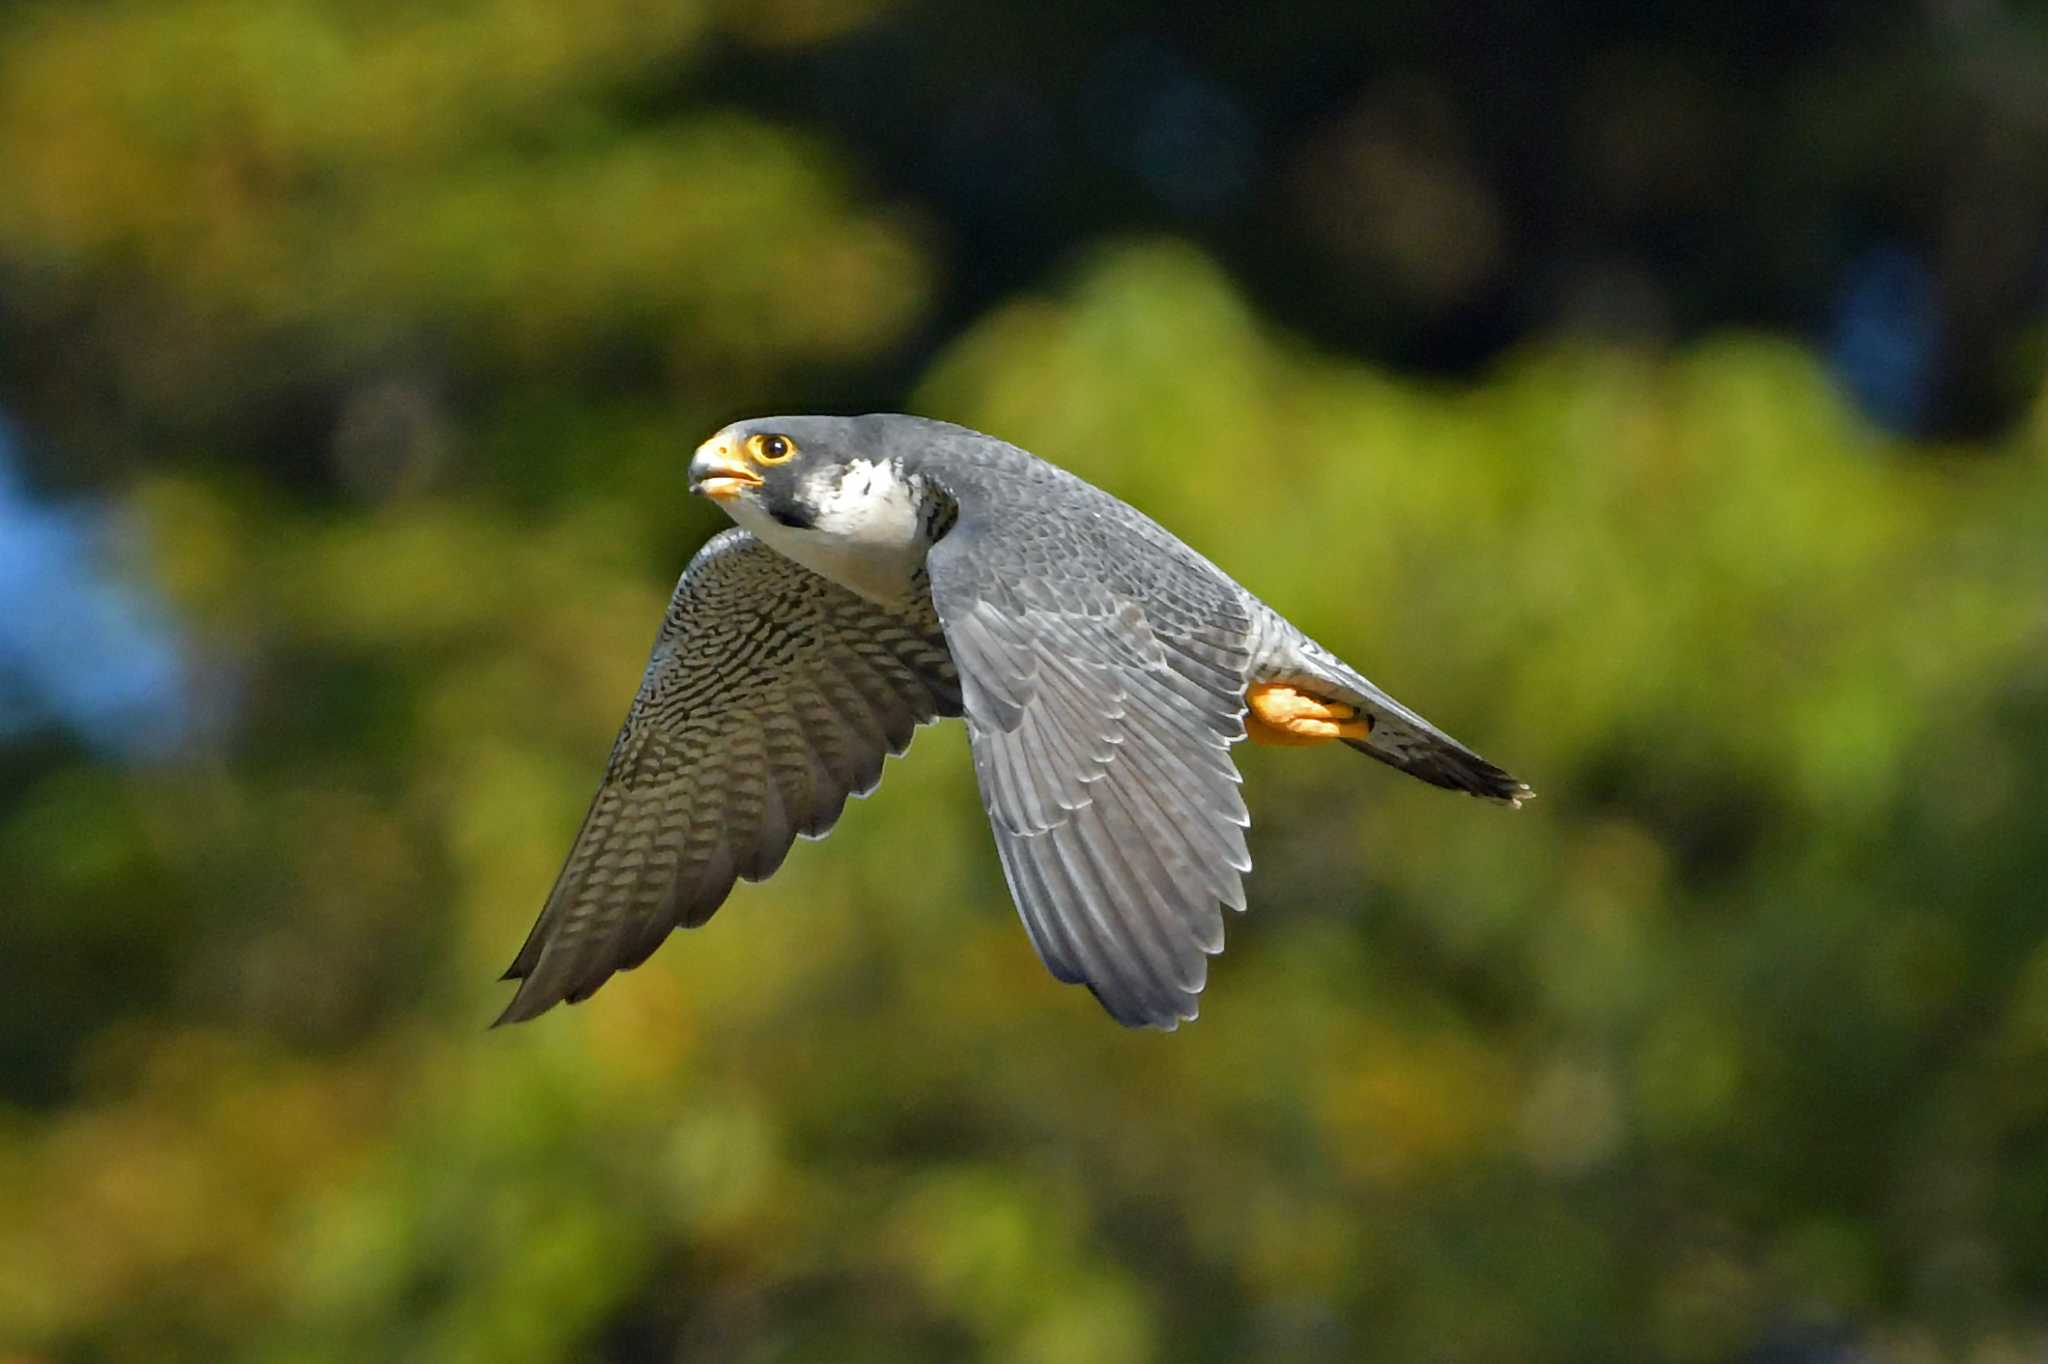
1440 760
1401 738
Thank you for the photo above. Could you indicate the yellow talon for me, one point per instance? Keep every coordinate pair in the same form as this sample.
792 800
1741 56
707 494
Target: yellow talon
1286 718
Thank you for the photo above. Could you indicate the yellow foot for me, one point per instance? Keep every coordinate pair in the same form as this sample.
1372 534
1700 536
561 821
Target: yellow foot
1287 718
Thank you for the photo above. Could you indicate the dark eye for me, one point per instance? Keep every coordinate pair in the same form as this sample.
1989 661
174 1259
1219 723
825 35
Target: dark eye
773 449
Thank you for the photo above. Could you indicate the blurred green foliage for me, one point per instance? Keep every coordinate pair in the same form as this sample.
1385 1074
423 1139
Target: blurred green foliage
1737 1037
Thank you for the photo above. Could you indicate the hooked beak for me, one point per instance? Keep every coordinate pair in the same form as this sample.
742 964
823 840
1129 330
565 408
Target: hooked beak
717 471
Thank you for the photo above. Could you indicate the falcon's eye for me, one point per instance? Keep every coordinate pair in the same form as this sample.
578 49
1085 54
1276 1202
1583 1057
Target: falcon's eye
771 449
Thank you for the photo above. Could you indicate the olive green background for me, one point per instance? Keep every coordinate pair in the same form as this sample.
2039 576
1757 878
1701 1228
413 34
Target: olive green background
389 330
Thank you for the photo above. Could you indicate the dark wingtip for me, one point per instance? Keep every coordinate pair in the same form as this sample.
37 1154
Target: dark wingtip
524 1004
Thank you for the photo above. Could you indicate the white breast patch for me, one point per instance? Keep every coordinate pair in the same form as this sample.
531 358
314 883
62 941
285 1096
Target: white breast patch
867 536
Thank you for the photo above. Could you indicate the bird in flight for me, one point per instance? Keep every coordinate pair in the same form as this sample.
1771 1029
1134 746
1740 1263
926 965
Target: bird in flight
887 571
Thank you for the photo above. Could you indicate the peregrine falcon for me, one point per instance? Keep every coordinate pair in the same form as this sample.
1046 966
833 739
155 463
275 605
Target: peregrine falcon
887 571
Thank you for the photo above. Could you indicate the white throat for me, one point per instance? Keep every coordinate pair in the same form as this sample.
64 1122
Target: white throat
867 532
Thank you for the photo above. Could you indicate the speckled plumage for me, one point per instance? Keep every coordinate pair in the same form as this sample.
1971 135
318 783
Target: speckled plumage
1101 666
772 695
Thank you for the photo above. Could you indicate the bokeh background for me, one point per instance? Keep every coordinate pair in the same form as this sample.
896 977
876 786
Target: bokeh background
1651 394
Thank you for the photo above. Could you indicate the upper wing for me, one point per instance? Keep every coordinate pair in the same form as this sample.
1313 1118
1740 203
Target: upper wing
1101 725
772 695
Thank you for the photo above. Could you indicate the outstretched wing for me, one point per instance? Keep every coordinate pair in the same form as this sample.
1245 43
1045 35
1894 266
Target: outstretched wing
771 696
1101 714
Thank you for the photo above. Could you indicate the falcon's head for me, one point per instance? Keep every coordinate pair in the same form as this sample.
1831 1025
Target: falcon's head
820 490
821 474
